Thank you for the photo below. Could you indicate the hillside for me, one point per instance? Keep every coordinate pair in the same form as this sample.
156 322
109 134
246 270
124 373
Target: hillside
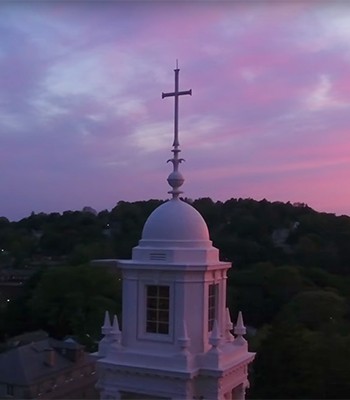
290 277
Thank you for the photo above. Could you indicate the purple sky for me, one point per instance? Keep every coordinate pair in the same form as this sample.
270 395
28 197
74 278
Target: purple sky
82 122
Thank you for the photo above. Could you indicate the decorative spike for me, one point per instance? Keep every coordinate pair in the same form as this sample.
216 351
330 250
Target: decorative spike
115 326
229 326
184 340
240 329
215 336
229 323
107 327
107 321
116 330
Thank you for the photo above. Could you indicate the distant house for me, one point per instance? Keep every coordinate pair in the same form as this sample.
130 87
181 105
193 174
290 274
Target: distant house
26 338
12 281
47 369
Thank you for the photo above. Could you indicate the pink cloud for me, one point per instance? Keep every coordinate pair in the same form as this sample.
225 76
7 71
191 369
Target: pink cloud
268 116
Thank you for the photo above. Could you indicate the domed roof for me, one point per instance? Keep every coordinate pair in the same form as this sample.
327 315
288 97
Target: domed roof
175 220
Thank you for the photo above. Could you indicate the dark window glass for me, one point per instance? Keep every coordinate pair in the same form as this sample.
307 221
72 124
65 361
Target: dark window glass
152 302
212 304
157 309
163 328
152 290
151 326
163 316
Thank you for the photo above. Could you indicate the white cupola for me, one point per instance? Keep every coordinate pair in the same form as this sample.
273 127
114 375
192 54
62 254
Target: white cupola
175 232
176 340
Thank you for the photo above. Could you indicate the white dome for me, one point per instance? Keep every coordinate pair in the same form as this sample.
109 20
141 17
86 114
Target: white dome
175 220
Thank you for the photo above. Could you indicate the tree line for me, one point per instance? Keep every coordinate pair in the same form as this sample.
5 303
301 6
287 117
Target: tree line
290 277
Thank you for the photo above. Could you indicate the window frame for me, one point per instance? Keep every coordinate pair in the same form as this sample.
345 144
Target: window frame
212 304
157 309
142 313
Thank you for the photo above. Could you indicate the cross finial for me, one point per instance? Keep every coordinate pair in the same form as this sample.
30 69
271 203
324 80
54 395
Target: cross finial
175 179
176 94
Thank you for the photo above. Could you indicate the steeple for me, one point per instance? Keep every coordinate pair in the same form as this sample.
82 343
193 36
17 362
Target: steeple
176 341
175 179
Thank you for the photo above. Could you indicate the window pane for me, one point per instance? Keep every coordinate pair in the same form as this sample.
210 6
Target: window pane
152 315
152 291
157 309
213 290
152 302
163 328
163 316
164 304
164 291
151 327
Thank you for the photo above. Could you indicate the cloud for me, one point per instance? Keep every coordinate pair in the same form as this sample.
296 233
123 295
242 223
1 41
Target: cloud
152 136
321 97
82 121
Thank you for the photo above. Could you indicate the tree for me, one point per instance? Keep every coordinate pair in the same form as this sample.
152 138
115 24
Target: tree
72 300
294 362
16 317
262 290
315 310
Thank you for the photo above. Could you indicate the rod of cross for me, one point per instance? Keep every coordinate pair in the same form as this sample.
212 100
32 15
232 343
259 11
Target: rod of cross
176 93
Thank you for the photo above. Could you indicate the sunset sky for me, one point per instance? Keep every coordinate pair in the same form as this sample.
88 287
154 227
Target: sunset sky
82 122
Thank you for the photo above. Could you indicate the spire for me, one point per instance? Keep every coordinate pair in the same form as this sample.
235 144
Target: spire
229 327
184 340
215 336
116 330
115 327
175 179
104 345
107 327
240 329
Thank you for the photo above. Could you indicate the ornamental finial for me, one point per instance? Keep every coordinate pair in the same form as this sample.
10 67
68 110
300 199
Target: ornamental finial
175 179
240 330
107 327
215 337
228 327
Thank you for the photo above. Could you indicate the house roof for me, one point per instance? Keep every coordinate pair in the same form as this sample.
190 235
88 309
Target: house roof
25 365
26 338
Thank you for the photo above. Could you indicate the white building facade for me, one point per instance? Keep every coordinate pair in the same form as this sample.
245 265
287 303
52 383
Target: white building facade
176 340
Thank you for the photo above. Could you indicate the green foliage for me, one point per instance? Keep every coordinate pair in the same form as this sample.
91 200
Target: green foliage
315 310
290 277
297 363
66 301
243 230
127 221
262 290
16 317
72 300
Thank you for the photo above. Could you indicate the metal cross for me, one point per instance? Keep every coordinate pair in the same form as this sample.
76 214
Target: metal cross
176 94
